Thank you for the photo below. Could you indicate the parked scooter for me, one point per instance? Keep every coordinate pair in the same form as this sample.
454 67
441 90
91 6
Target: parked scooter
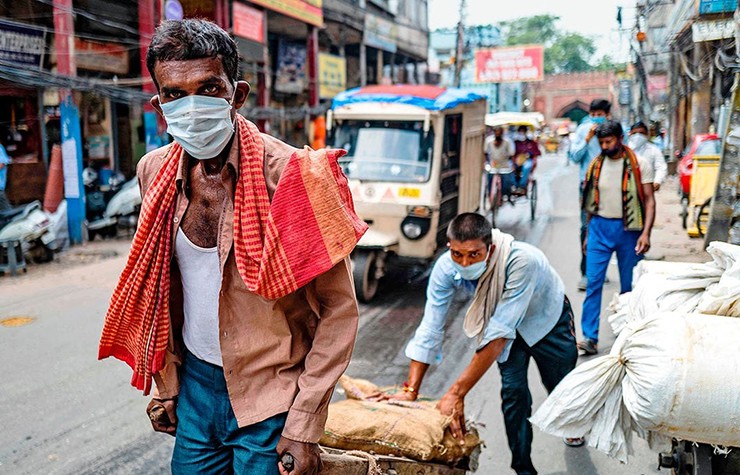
30 225
111 205
122 211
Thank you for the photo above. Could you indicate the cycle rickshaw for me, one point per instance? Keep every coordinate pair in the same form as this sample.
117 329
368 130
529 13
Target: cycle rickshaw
500 191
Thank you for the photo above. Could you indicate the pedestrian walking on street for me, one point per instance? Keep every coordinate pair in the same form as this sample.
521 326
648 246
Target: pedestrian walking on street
519 312
651 153
237 297
618 198
4 161
584 148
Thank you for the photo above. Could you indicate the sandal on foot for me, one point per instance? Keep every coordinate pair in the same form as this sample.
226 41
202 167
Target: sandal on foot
587 347
574 442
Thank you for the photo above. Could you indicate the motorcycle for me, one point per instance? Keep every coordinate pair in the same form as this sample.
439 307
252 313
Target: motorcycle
122 211
29 225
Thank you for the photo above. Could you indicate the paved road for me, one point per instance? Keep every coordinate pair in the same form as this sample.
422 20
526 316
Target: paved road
63 412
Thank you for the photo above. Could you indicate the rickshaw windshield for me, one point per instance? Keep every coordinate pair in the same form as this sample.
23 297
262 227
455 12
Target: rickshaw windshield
379 150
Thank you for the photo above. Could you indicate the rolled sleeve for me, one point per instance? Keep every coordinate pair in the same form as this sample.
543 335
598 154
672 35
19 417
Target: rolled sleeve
329 355
511 309
167 380
426 344
660 166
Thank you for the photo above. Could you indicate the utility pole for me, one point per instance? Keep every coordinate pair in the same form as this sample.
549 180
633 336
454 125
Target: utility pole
460 50
71 135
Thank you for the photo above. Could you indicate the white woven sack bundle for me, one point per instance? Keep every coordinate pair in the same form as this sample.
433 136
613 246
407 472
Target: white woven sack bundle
677 287
723 298
670 375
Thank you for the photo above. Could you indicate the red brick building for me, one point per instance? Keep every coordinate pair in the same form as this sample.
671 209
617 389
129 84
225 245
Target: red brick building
569 95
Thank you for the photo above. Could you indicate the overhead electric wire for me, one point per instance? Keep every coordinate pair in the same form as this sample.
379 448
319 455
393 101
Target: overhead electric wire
42 78
96 18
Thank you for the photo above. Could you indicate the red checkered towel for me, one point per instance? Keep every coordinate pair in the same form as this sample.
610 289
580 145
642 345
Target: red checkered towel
279 247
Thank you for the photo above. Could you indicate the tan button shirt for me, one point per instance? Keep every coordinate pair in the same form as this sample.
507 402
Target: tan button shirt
278 355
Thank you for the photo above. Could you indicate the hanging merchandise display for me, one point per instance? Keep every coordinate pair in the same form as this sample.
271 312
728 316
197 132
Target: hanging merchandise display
290 74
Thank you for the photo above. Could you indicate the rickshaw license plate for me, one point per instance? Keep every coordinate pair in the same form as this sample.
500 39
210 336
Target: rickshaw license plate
405 192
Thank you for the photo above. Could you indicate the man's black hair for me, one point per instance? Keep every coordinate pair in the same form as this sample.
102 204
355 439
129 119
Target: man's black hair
639 125
469 227
600 105
609 128
522 127
192 38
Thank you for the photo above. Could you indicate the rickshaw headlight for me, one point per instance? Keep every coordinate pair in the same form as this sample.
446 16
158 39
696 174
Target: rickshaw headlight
414 228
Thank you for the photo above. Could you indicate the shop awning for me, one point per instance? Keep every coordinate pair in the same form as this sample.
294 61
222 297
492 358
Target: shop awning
43 79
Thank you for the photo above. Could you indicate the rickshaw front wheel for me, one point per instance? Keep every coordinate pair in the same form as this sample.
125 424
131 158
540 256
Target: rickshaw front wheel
532 198
366 274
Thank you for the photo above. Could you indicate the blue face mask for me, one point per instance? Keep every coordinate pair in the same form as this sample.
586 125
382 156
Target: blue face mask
471 272
598 120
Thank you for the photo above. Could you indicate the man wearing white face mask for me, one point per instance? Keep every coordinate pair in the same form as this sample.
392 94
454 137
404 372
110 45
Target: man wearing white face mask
237 298
649 152
511 325
583 149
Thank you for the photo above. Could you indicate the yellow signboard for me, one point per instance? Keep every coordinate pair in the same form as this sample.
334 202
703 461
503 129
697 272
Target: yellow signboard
404 192
308 11
332 75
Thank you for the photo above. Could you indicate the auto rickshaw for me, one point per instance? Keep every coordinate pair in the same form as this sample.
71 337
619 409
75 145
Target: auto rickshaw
414 161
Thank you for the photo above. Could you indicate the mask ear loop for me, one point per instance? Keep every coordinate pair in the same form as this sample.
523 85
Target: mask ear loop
233 96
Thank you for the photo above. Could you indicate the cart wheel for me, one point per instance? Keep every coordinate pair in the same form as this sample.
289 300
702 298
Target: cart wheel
532 198
365 275
496 197
702 217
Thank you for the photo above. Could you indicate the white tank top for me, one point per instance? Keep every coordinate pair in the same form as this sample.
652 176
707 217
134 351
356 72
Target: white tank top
200 269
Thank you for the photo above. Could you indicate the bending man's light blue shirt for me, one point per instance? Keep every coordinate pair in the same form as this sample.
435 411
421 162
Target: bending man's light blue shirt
583 152
531 304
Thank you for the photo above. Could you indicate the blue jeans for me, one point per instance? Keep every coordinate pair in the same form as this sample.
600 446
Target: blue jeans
584 228
209 440
556 356
606 236
524 172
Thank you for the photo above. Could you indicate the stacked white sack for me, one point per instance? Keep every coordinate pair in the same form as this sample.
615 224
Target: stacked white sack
663 287
675 375
723 298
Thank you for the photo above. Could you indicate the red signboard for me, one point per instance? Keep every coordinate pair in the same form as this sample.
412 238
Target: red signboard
511 64
249 22
97 56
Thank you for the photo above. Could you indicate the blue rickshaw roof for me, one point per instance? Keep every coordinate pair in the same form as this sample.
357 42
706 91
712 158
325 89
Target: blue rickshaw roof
427 97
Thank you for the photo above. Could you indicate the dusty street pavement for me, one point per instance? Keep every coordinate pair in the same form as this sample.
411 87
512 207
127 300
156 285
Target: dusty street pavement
64 412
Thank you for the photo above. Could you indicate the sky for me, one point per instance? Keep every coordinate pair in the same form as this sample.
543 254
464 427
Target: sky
595 18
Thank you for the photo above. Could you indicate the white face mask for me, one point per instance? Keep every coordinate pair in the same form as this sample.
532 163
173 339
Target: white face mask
202 125
637 140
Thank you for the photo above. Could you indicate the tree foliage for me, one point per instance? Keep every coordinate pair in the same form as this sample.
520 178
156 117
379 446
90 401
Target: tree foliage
565 52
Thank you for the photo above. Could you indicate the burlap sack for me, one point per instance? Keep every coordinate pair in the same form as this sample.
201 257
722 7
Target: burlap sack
385 429
416 430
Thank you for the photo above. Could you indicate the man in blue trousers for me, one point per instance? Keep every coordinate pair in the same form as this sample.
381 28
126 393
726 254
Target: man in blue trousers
620 206
583 149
